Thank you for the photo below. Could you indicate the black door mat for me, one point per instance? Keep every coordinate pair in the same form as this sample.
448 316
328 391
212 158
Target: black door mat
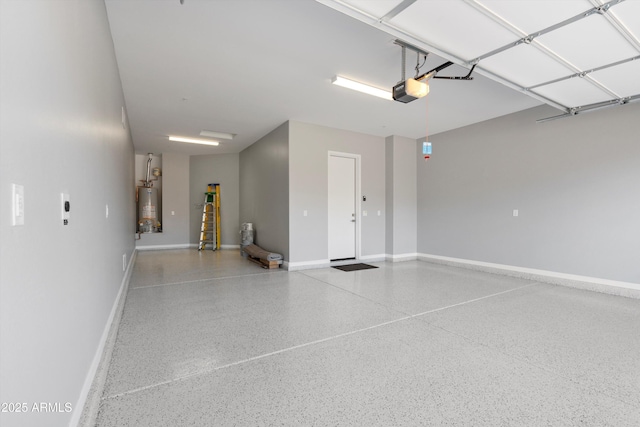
354 267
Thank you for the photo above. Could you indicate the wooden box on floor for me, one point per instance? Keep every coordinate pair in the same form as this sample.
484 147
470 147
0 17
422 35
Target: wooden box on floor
264 263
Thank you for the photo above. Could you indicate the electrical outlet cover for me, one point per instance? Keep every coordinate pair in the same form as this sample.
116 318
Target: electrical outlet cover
64 199
17 204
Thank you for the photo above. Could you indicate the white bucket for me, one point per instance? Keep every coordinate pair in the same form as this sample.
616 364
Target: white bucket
246 237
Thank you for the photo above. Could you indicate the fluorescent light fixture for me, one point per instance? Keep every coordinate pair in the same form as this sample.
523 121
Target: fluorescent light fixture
193 141
416 88
221 135
361 87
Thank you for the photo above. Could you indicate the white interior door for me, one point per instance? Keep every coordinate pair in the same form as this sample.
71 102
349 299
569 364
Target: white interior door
342 207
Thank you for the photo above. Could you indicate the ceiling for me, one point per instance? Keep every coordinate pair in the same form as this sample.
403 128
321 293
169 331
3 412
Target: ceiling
247 66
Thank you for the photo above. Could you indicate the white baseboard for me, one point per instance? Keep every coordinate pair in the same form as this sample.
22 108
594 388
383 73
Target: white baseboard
373 258
181 246
86 408
401 257
326 263
613 287
222 247
306 265
160 247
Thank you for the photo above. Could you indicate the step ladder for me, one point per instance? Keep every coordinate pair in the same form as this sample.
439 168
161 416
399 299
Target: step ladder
210 228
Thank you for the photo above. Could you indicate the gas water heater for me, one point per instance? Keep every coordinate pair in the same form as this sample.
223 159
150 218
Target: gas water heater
148 212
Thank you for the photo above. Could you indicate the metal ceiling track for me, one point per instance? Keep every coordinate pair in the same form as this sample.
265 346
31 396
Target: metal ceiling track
410 41
434 72
584 73
600 9
530 39
592 107
391 29
622 29
399 8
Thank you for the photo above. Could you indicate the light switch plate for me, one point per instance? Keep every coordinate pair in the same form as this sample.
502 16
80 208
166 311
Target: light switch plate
17 194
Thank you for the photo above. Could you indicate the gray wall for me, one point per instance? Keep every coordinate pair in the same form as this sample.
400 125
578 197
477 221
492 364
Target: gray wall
575 182
264 190
60 131
223 169
175 206
175 198
401 198
308 186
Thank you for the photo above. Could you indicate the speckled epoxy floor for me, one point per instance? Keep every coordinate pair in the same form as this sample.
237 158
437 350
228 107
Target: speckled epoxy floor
210 339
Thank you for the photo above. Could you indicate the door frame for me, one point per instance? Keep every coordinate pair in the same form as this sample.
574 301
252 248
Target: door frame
358 206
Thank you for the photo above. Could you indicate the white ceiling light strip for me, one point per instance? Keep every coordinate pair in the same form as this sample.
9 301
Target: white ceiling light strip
193 140
362 87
